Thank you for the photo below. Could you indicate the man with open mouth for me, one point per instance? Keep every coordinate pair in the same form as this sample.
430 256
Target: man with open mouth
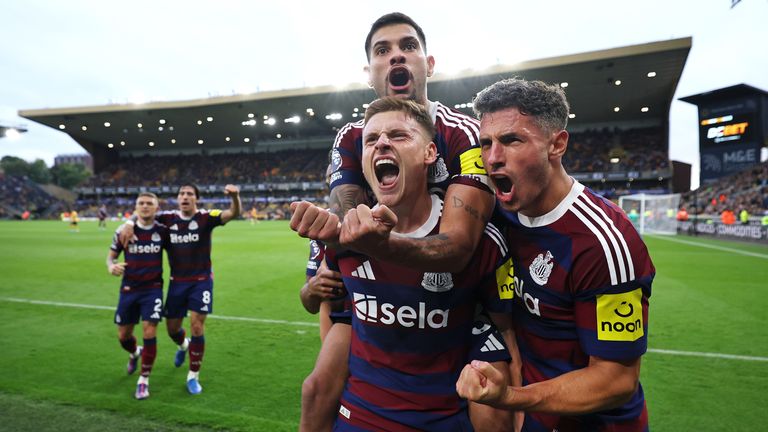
412 331
398 66
582 275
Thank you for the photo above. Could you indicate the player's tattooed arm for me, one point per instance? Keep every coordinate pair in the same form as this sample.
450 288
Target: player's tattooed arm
346 197
465 214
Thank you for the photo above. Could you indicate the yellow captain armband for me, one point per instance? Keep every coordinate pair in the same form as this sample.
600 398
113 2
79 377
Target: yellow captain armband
472 162
505 280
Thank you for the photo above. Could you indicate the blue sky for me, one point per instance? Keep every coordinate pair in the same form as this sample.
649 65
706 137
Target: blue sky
76 53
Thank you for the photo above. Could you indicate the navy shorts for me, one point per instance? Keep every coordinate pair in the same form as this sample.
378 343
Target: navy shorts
183 296
147 304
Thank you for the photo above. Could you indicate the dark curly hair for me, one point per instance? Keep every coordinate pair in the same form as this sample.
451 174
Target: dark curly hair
545 103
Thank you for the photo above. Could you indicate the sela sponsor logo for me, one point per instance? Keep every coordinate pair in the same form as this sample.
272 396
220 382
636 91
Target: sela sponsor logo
144 249
541 268
368 309
531 303
186 238
437 282
620 316
505 280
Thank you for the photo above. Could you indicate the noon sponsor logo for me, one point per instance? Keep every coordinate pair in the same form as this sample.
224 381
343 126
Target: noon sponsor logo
505 280
620 316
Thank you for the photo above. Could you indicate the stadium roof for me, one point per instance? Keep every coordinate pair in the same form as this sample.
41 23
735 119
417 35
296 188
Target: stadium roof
726 93
640 80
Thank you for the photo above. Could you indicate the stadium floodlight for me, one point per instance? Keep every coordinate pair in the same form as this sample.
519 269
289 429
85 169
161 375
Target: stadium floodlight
652 214
616 109
270 121
651 74
294 119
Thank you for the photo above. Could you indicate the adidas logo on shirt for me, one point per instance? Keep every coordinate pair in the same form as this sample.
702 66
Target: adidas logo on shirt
492 344
364 271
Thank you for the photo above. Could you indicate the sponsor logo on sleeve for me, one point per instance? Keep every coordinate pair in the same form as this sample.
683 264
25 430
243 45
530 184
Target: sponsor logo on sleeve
472 162
620 316
505 280
214 213
335 160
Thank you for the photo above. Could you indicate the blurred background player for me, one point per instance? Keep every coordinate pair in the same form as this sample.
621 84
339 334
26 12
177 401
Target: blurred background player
74 219
141 290
102 217
191 283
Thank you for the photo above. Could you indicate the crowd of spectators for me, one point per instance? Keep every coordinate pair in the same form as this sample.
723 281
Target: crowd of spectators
589 151
639 149
746 190
19 194
243 168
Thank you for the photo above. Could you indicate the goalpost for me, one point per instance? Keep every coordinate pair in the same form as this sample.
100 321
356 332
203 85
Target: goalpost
652 214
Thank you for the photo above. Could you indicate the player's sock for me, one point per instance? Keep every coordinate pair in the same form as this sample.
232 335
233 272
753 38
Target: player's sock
180 339
196 350
129 345
192 375
148 356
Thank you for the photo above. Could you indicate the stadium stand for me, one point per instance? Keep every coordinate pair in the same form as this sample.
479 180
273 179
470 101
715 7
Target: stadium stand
745 190
18 194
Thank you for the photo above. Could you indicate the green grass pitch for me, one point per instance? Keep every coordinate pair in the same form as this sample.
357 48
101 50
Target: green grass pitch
62 369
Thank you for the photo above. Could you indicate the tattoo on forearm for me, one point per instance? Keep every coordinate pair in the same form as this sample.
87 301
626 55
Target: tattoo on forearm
458 203
346 197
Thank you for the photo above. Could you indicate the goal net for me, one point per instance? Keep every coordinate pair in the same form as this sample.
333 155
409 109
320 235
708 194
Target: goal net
652 214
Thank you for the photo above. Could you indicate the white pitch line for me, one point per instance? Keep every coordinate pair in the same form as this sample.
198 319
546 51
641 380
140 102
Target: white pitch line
111 308
311 324
708 355
722 248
